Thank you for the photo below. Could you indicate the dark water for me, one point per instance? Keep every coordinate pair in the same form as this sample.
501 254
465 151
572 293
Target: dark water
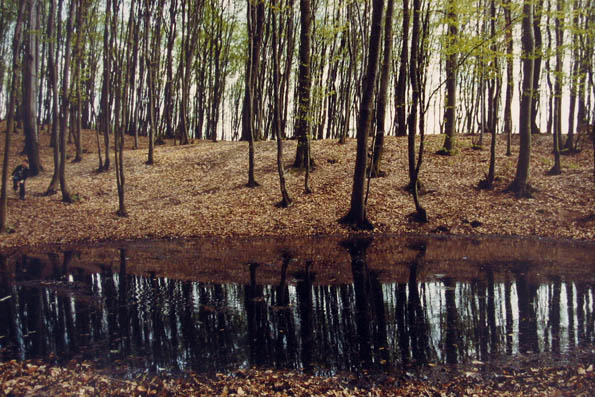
115 307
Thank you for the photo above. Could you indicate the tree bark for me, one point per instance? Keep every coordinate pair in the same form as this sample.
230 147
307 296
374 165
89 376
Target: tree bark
65 106
401 88
520 184
105 87
302 123
357 216
538 42
382 92
451 81
285 199
53 78
559 29
255 27
16 44
509 76
30 89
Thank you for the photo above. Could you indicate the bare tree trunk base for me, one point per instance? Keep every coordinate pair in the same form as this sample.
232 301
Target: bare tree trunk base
525 191
486 184
284 203
420 215
555 170
352 221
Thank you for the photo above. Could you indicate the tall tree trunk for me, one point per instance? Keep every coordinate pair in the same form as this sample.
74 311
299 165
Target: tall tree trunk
106 85
382 91
506 5
255 27
401 87
537 12
559 29
30 89
412 118
450 105
357 216
285 199
118 73
493 101
53 78
16 45
569 145
520 184
302 122
65 105
77 85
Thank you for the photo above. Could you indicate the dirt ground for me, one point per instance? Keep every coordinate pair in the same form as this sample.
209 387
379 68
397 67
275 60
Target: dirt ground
199 190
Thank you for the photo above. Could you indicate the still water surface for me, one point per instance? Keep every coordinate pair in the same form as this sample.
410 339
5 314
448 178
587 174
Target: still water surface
114 304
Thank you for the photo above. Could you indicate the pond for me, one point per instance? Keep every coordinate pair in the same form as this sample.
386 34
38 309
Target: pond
325 304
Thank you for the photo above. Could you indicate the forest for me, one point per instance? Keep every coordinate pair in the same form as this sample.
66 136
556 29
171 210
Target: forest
184 71
280 197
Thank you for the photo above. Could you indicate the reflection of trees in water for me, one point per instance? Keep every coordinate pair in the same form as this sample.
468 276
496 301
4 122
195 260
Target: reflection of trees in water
527 300
171 324
555 315
452 320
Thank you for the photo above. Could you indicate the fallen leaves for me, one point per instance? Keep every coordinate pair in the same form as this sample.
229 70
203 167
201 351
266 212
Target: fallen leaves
83 379
199 190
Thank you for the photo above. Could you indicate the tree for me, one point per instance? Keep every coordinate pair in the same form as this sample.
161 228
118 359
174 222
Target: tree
401 85
382 92
493 100
520 184
450 104
16 44
255 20
30 89
559 29
302 123
506 5
53 79
65 103
537 58
357 216
277 127
118 133
105 115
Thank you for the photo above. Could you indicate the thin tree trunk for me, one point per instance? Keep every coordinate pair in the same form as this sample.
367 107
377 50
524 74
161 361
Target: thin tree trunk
451 81
382 92
105 88
537 12
53 77
65 106
559 29
285 199
255 28
509 77
401 88
30 89
16 44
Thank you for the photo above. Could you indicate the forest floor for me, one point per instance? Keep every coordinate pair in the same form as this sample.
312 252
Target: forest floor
200 190
33 378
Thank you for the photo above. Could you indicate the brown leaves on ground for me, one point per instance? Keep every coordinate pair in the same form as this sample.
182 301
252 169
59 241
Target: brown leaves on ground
199 190
33 378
